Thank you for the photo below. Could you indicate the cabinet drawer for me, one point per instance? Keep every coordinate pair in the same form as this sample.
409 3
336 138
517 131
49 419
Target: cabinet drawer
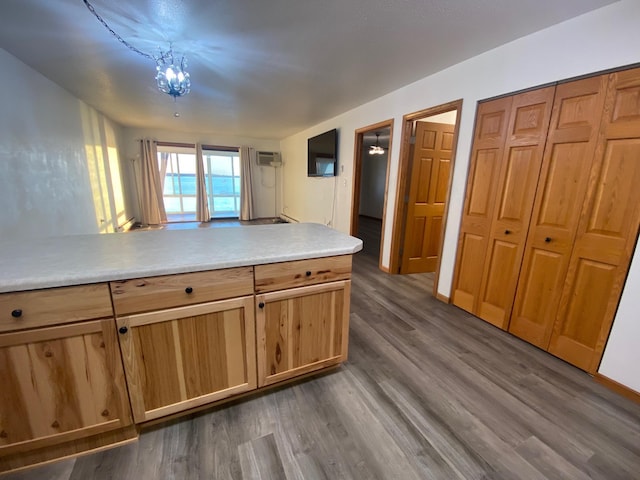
157 293
53 306
278 276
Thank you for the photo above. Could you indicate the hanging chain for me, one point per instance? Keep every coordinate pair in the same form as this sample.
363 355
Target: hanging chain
122 40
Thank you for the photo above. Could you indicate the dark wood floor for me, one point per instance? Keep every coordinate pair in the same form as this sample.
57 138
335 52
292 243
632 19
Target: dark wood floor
429 392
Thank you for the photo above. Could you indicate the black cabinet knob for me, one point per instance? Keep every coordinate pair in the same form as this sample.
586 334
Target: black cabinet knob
123 330
507 232
308 273
17 313
548 239
261 305
188 290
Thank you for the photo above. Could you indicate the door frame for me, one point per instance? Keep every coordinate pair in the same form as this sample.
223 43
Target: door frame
357 179
400 213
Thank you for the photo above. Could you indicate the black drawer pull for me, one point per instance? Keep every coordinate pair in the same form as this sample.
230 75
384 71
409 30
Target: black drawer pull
123 330
17 313
261 305
188 290
548 239
507 232
308 273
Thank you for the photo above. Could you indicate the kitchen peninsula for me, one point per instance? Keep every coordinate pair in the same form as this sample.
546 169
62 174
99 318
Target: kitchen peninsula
100 334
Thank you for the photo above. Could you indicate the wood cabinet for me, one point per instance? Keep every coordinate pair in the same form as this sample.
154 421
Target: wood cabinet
60 384
579 213
301 330
302 316
196 353
181 358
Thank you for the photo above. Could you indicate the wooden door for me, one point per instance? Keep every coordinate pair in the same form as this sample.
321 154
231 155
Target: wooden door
184 357
301 330
60 384
516 188
429 181
607 231
489 138
568 156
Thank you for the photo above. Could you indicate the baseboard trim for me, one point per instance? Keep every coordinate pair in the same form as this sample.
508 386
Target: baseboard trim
443 298
617 387
289 219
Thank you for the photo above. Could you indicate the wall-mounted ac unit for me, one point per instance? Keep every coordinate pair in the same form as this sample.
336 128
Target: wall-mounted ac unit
268 159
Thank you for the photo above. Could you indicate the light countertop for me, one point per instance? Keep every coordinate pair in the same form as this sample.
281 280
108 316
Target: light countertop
81 259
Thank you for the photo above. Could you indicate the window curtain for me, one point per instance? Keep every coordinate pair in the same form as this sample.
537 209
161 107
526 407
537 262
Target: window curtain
202 204
246 191
152 210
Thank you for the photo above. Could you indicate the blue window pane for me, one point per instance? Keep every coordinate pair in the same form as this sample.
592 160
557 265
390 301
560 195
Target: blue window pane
222 186
236 181
188 182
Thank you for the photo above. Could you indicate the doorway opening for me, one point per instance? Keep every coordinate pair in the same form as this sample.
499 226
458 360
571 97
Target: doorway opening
427 155
370 184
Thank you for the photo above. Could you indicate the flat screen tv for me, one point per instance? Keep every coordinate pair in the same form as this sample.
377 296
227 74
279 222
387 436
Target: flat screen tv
322 154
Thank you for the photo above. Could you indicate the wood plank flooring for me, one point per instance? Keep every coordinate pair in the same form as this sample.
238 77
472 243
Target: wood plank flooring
429 392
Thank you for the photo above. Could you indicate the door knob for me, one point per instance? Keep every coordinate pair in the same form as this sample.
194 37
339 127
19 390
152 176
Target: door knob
261 305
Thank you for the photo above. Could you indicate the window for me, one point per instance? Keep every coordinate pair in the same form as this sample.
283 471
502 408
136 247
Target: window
178 173
222 179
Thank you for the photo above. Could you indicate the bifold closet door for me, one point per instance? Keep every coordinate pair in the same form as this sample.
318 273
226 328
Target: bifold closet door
492 119
561 190
607 231
517 181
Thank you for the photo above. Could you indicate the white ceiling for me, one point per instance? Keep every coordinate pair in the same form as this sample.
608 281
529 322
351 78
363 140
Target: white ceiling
259 68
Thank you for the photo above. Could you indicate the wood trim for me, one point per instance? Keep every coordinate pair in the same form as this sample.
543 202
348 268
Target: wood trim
220 148
357 177
58 438
442 298
617 387
403 166
176 144
196 402
51 333
71 449
237 398
278 377
301 291
140 319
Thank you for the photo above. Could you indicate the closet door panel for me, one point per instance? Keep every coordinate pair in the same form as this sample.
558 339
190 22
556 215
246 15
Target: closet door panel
607 231
516 189
562 186
486 159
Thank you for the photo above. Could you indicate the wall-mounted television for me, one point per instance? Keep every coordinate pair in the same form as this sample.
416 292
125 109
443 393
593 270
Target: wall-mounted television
322 154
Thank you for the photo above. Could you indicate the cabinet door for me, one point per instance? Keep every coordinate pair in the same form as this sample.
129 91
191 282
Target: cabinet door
185 357
516 189
60 384
301 330
607 232
486 160
568 156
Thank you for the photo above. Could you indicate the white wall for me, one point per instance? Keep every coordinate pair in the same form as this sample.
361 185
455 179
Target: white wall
374 176
602 39
265 179
47 140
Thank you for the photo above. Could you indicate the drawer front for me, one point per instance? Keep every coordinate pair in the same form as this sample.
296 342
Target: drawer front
279 276
54 306
157 293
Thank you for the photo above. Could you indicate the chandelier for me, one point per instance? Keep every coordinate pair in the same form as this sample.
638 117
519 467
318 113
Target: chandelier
376 149
172 77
